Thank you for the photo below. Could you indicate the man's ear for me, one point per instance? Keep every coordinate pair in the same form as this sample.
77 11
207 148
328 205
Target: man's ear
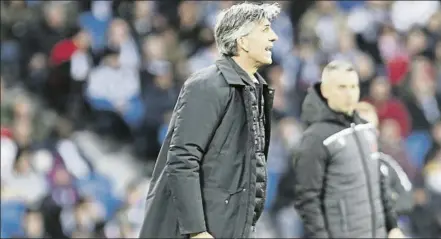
242 43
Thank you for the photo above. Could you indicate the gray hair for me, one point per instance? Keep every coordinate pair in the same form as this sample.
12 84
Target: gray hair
238 21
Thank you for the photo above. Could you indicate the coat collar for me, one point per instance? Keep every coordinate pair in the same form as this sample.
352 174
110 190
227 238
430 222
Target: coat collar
234 74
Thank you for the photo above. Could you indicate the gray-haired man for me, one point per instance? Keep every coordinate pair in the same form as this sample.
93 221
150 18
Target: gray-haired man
210 175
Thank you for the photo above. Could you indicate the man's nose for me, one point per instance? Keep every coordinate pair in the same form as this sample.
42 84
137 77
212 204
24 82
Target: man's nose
274 36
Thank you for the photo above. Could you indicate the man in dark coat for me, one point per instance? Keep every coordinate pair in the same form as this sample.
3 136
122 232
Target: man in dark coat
339 190
210 176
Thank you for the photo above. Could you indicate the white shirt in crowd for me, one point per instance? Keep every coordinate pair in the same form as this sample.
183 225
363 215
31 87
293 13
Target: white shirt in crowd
113 84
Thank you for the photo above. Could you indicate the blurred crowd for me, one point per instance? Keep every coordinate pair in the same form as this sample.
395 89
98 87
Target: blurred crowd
115 68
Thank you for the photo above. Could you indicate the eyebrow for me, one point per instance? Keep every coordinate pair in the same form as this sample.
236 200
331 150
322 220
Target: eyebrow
338 67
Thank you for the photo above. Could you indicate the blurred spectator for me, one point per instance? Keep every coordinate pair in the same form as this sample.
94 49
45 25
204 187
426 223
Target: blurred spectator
366 21
64 151
82 218
347 48
159 87
24 118
154 51
17 14
280 104
405 14
146 19
96 21
41 35
301 69
203 57
34 225
38 73
417 42
388 107
127 221
285 139
116 88
15 17
394 55
70 64
325 21
63 194
422 100
192 34
32 186
392 144
119 38
366 69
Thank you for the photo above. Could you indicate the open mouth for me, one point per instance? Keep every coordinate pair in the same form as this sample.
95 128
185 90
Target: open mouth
268 49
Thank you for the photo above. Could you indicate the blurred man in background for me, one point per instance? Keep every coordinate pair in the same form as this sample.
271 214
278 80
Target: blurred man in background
337 184
210 176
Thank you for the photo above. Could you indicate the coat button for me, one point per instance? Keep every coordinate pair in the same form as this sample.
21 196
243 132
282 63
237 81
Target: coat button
244 189
226 201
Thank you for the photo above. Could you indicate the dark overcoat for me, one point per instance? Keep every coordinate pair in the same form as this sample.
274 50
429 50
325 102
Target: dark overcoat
205 175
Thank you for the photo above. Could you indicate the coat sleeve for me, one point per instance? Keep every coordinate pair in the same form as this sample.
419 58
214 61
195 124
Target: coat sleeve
399 185
309 171
388 204
197 113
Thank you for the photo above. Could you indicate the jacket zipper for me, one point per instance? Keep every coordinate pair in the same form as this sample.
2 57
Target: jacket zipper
248 90
368 180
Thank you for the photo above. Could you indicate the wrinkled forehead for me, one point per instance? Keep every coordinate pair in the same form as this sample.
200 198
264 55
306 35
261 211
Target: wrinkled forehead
260 25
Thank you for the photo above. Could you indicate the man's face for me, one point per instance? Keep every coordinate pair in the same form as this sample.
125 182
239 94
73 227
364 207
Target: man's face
84 40
380 89
342 91
259 42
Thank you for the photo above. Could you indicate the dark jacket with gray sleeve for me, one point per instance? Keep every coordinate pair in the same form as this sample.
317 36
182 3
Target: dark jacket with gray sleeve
339 190
210 174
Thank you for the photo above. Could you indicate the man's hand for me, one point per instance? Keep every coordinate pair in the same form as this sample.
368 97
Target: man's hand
201 235
396 233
